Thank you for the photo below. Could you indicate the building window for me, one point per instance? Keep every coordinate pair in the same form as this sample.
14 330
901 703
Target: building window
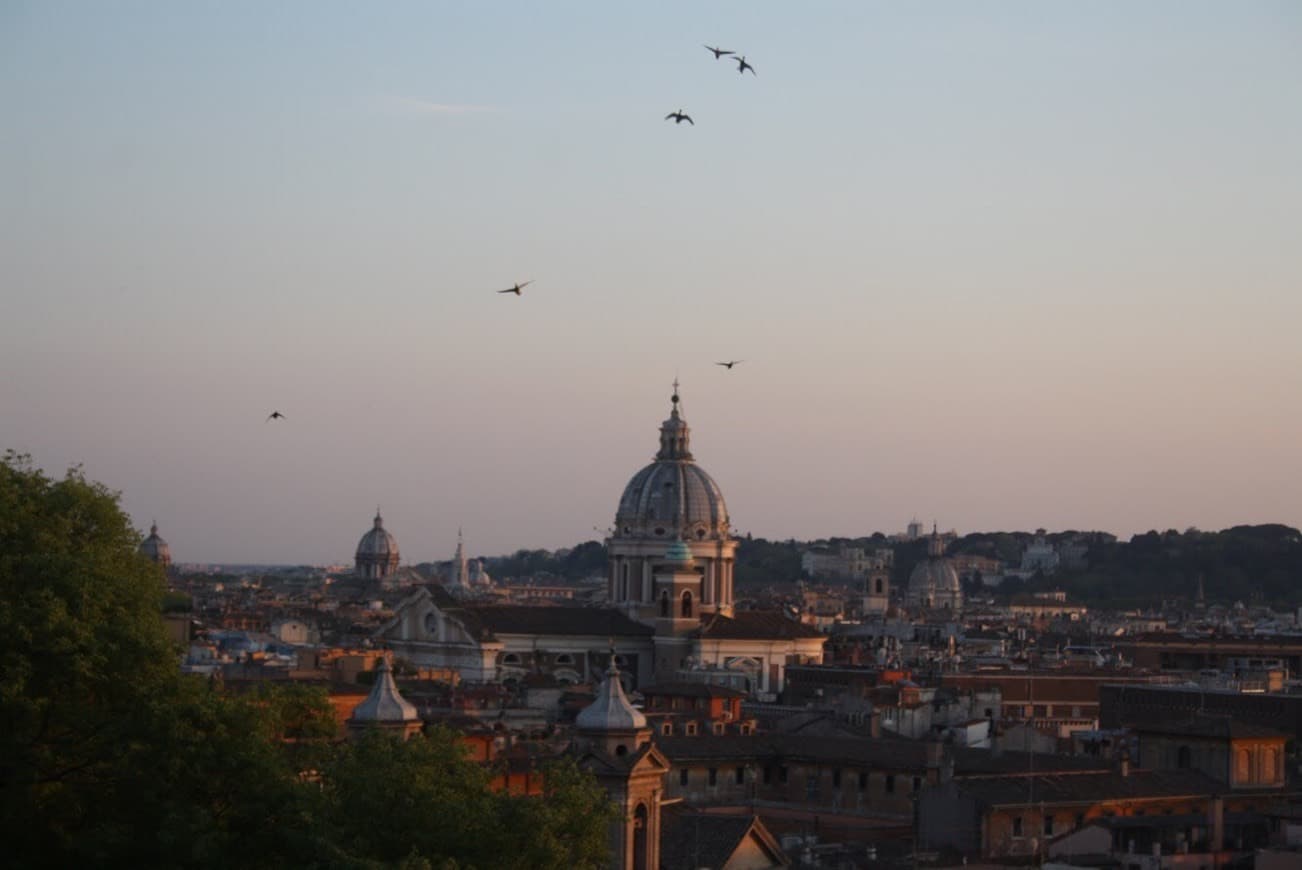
1183 757
863 780
917 784
768 775
682 776
890 783
836 777
782 774
1048 825
741 776
811 785
667 728
714 776
1244 771
1080 820
690 729
1017 826
687 605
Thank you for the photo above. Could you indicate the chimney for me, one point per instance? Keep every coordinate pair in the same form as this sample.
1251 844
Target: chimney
935 750
1216 821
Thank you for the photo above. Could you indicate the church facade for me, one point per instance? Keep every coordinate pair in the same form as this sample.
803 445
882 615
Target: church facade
670 588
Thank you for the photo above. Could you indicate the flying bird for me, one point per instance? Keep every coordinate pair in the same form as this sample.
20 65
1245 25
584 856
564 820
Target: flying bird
718 52
742 66
730 363
518 287
274 415
679 118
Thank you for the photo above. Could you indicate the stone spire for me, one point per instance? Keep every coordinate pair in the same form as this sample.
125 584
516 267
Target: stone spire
675 437
611 711
385 707
936 546
460 571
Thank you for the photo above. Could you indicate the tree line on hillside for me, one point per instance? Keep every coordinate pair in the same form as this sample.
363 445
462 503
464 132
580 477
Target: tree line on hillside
1250 563
109 756
1253 564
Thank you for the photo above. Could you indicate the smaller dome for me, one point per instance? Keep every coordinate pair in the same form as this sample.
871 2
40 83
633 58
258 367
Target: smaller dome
155 548
377 543
611 711
678 554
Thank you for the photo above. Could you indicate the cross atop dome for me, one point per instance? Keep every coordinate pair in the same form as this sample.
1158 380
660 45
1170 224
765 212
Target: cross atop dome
675 436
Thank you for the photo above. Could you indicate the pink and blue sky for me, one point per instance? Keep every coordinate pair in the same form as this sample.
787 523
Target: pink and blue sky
1004 264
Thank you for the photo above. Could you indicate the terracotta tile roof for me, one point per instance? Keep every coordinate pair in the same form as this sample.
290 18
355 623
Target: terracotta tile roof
1223 727
691 690
692 840
756 625
1088 788
525 619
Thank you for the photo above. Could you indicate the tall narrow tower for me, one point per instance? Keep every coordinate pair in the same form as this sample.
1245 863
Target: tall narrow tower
460 579
614 742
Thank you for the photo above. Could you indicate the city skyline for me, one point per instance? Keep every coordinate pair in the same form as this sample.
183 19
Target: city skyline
1003 266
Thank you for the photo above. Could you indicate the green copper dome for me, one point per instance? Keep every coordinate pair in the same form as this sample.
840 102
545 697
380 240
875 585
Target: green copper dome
678 552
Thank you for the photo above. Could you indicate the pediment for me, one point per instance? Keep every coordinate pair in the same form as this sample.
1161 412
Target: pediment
419 618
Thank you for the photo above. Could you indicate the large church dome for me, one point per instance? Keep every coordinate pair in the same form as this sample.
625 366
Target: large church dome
934 582
155 548
377 551
673 497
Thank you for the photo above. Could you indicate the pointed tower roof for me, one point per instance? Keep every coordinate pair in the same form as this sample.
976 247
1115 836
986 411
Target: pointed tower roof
385 703
611 711
675 436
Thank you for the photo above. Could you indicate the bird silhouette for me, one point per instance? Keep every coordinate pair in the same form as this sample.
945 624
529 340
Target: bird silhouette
742 66
517 288
679 118
730 363
274 415
718 52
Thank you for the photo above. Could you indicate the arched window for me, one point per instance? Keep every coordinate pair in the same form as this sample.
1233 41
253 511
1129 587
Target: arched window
1271 769
664 603
879 586
687 604
1243 773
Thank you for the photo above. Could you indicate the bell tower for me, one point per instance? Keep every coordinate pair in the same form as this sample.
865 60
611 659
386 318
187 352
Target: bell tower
614 742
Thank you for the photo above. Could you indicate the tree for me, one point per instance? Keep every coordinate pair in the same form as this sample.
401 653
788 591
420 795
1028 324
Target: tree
109 756
81 650
422 800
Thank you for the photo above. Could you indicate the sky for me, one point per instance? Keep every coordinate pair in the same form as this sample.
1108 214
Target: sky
1003 265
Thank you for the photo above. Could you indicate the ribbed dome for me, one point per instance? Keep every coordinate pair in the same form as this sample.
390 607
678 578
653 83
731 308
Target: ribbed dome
155 548
611 711
672 497
377 543
934 582
934 576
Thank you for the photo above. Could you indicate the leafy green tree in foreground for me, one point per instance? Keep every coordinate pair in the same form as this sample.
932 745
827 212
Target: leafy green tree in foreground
110 757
